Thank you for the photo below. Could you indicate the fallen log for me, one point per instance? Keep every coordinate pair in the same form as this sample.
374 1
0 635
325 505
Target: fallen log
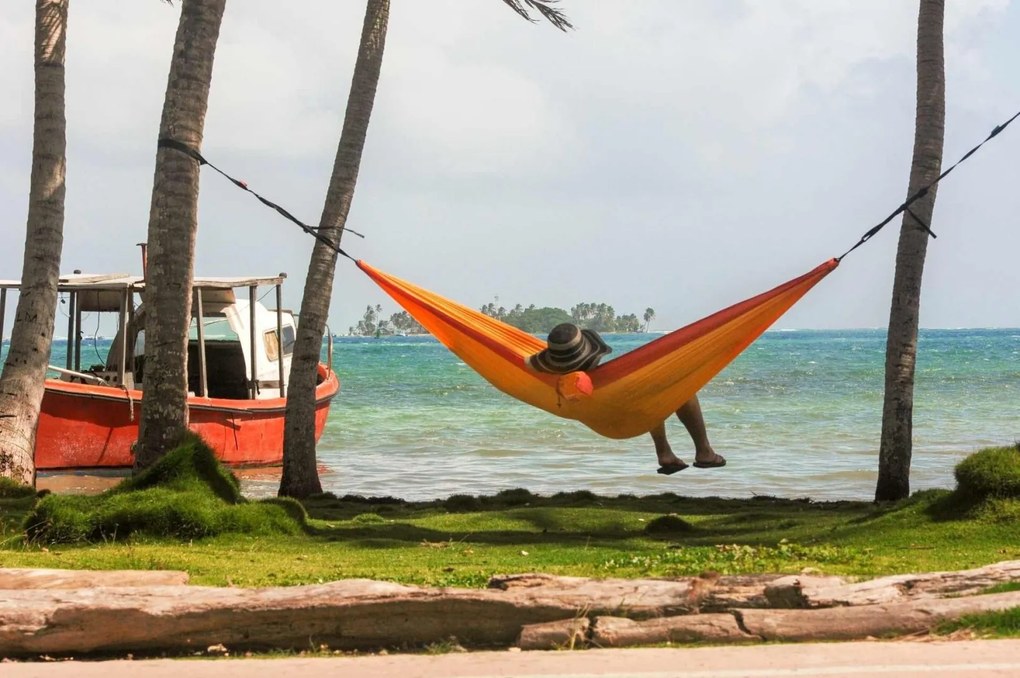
622 632
534 610
565 634
350 614
816 592
26 578
855 623
646 597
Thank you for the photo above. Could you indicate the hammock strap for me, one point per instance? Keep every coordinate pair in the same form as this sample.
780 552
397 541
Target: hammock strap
314 231
905 207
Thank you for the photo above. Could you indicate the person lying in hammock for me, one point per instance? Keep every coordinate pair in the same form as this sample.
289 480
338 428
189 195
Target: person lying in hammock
571 349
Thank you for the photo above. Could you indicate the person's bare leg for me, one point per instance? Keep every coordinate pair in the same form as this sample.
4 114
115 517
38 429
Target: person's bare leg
669 463
690 414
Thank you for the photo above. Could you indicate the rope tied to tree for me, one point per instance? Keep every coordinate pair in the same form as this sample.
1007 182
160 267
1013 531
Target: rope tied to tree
920 193
314 231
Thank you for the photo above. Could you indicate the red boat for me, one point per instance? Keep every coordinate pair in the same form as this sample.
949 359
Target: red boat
239 357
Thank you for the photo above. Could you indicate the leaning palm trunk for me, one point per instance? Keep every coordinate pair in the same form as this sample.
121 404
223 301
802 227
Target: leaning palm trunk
901 348
24 373
173 226
300 476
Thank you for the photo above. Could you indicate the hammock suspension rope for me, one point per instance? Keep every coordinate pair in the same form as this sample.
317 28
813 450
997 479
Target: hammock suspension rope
623 397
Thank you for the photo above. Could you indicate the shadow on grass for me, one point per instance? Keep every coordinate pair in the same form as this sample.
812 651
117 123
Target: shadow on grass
567 519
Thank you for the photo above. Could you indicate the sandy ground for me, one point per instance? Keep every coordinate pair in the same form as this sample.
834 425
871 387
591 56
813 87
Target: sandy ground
255 482
72 483
888 659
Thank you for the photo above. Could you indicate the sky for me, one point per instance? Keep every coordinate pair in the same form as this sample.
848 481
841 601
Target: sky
671 154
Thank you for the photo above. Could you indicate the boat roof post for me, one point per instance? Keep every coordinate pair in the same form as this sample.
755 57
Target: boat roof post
279 338
203 379
125 301
77 337
3 311
72 297
251 327
131 311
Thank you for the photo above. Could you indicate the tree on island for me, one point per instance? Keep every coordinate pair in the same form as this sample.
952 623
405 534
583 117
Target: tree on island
372 324
598 317
649 316
403 323
369 324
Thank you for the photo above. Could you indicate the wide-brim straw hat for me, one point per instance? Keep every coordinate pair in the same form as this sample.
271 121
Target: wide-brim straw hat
570 349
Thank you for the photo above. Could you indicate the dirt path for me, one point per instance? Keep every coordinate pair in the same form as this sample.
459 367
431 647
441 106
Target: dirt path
886 659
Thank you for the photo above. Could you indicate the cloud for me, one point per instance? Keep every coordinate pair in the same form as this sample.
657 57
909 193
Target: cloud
667 153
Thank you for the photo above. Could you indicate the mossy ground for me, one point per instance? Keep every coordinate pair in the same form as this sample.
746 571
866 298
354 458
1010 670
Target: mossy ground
187 495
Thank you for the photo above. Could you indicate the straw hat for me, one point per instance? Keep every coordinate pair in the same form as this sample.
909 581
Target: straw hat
570 349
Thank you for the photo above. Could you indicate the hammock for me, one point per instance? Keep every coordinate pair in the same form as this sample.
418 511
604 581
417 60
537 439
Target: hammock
621 398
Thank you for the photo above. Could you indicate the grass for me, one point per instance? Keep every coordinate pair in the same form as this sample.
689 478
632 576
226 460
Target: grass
1005 624
464 543
186 513
992 472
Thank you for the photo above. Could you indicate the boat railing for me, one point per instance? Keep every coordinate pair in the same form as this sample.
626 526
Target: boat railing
86 377
329 348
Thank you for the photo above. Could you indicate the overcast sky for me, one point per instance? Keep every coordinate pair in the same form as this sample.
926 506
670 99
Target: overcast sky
667 153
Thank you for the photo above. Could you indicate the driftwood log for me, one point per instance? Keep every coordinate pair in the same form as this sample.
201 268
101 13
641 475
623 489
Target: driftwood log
60 612
25 578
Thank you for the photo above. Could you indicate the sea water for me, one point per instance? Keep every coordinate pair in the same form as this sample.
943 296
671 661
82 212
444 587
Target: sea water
798 414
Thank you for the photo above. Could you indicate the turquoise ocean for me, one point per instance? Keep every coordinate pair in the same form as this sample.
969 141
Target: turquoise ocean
798 414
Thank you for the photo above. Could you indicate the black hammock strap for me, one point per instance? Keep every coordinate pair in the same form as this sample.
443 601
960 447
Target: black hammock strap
314 231
905 207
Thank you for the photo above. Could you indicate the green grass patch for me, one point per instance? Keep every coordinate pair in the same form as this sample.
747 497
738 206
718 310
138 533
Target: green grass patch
193 521
993 472
186 495
1004 624
987 488
12 490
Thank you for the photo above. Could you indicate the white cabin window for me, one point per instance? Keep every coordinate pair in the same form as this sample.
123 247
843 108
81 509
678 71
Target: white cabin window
215 327
288 339
272 343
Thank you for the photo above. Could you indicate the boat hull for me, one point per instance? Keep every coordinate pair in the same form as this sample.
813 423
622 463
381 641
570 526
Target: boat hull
85 426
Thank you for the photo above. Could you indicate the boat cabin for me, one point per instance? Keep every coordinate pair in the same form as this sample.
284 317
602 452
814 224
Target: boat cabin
237 349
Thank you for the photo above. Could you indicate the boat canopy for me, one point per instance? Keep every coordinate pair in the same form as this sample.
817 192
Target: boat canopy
257 352
104 292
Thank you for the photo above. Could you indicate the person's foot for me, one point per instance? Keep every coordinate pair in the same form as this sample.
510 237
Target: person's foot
672 467
712 460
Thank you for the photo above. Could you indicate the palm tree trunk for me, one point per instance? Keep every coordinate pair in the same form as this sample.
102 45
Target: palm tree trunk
23 381
901 348
173 227
300 476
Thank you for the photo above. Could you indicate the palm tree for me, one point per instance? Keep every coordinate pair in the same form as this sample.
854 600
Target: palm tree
300 477
649 316
901 346
24 373
173 226
544 7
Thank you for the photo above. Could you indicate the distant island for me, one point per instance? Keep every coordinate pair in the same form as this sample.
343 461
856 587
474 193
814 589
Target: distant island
531 319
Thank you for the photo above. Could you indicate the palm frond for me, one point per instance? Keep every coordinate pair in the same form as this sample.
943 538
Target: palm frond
544 7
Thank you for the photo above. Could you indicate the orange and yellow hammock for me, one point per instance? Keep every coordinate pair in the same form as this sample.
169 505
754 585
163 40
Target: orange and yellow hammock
623 397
